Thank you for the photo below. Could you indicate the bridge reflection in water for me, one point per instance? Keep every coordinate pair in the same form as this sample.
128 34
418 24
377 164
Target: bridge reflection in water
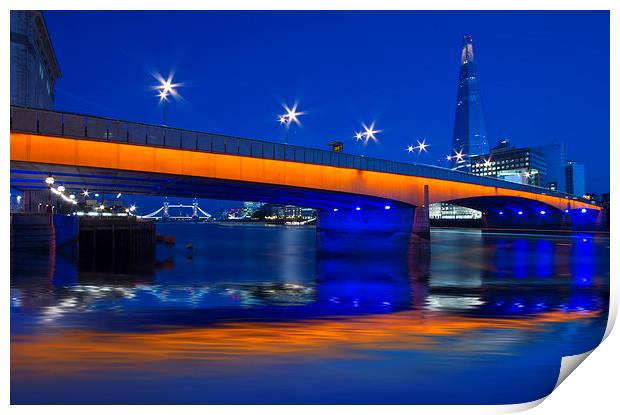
482 311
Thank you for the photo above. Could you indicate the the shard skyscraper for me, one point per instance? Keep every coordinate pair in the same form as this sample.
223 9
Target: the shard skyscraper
470 131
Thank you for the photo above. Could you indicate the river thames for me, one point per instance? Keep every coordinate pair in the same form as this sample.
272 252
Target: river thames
251 315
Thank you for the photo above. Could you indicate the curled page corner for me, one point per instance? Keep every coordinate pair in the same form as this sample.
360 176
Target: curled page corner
611 315
520 407
570 363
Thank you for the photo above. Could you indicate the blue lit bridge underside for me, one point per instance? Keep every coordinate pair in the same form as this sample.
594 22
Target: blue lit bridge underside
344 219
27 176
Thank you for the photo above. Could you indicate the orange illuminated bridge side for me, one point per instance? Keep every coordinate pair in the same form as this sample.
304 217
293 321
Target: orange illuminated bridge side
347 198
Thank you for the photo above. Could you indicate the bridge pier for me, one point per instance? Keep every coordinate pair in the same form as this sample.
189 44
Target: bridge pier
421 219
376 232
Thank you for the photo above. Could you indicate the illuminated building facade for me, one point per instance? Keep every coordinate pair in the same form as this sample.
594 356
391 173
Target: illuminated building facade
470 132
291 212
517 165
449 211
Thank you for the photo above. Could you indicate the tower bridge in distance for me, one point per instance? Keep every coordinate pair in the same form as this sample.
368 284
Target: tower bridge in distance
164 212
351 193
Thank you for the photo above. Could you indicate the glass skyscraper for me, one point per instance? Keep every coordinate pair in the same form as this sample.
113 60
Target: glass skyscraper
575 178
555 157
470 132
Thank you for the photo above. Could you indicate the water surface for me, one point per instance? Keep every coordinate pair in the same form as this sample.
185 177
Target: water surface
250 315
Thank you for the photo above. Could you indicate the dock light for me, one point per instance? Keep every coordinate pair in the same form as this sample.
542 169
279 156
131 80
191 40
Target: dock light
565 210
358 208
520 212
96 194
584 210
387 207
335 209
501 213
61 188
542 212
85 193
71 196
49 179
132 208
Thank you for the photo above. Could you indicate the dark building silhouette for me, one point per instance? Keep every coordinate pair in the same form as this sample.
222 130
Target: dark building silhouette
470 132
34 69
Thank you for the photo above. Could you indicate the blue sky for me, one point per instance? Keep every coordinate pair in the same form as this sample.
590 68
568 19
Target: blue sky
544 75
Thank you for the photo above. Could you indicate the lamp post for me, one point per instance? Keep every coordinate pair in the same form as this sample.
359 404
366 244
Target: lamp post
164 98
359 137
421 147
367 135
291 116
49 180
165 89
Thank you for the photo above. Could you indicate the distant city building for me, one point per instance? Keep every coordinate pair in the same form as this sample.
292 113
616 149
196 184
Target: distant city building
267 211
250 207
575 178
449 211
469 137
517 165
555 158
34 69
288 212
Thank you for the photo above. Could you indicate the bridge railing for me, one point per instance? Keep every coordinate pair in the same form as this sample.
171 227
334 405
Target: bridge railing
66 124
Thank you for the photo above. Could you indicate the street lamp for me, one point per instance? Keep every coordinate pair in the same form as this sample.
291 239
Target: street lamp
421 147
163 97
367 135
291 116
165 89
49 180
